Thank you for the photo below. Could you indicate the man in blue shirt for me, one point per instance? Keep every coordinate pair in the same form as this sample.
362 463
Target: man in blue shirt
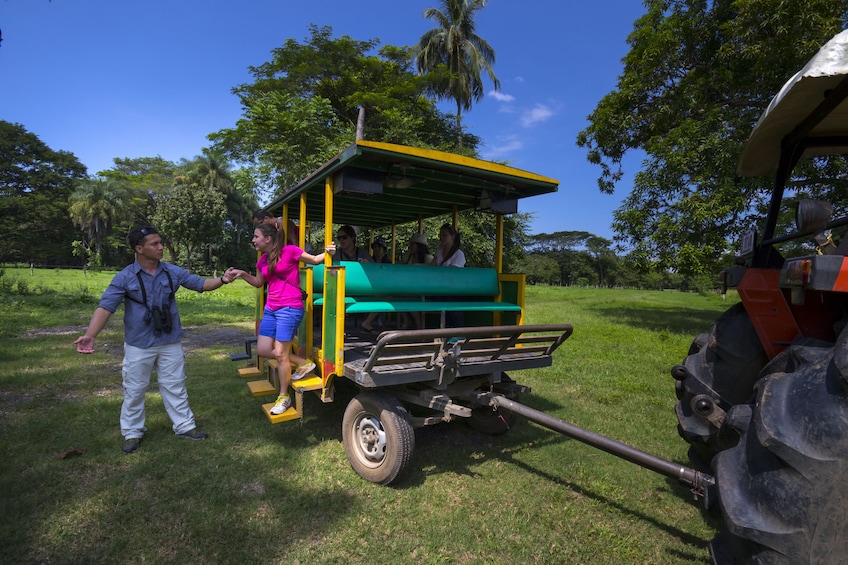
152 334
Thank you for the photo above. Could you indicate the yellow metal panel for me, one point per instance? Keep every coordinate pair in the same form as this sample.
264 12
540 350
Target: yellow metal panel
499 233
455 160
308 383
249 372
290 414
261 388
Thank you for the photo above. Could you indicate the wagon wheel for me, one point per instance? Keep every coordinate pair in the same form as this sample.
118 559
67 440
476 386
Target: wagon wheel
378 437
719 373
781 488
494 421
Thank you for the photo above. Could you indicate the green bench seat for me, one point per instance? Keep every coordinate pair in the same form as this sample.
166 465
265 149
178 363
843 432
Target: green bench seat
365 306
380 287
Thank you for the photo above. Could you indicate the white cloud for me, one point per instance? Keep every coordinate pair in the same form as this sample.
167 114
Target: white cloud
519 79
508 145
501 97
539 113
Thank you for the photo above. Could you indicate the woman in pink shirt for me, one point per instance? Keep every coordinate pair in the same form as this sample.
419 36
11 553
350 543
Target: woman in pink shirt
278 266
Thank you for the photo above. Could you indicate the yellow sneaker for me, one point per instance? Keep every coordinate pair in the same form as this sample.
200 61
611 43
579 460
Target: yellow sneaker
283 403
303 370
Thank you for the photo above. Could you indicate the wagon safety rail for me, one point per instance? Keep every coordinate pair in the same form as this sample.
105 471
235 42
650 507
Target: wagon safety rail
445 354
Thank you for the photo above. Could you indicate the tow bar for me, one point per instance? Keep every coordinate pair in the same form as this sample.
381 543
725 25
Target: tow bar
701 484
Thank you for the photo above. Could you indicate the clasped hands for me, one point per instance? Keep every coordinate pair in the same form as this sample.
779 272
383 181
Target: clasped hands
230 275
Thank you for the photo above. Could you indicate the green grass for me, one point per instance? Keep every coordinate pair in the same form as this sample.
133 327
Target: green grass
260 493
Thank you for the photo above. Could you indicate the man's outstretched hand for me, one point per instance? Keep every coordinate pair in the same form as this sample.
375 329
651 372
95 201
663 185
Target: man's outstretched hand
85 344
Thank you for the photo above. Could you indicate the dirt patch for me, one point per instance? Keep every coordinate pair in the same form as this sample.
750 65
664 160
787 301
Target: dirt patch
61 330
196 337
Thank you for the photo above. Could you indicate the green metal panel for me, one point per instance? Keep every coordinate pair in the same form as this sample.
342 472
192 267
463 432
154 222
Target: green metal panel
331 317
383 279
401 305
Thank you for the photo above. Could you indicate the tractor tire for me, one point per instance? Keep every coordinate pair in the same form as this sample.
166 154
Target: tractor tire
718 373
781 488
378 437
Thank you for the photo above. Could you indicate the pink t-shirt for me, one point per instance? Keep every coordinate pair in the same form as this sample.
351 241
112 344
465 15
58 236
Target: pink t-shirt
284 284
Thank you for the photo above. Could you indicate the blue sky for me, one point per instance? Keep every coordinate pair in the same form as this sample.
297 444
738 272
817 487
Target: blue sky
122 78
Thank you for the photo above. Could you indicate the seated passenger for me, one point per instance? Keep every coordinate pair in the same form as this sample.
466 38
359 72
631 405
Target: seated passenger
449 254
418 255
347 248
378 251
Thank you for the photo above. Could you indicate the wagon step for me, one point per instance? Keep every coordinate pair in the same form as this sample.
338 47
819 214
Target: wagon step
248 350
296 410
249 372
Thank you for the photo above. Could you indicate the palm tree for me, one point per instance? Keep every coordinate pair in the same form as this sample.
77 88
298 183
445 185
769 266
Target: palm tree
197 208
95 206
455 46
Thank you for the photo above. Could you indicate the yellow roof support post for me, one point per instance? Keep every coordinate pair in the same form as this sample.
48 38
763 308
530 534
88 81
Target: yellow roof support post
499 229
328 217
333 346
308 305
499 234
301 221
394 241
284 225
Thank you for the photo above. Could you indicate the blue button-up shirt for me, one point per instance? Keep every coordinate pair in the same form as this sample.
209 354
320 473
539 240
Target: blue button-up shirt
138 324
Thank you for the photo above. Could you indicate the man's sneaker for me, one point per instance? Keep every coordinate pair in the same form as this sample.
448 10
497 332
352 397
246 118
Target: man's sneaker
283 403
131 445
193 434
303 370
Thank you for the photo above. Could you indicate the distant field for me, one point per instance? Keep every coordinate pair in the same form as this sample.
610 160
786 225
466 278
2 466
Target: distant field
257 493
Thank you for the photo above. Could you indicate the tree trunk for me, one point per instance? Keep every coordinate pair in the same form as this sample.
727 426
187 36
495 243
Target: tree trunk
458 124
360 124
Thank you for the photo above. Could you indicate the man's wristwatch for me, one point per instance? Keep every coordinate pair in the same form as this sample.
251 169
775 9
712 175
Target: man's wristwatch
223 282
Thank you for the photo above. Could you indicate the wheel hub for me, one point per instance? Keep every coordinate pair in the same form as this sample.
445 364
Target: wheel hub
372 439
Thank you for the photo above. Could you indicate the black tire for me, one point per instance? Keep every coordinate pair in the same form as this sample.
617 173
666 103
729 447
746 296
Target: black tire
781 488
719 372
494 421
378 437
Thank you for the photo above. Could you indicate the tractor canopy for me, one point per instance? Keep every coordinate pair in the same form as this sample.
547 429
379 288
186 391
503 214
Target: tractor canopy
808 116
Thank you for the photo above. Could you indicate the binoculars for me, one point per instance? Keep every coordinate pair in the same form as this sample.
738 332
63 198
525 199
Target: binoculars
161 318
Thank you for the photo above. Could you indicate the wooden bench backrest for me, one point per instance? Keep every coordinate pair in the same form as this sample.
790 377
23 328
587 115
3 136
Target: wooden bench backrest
374 279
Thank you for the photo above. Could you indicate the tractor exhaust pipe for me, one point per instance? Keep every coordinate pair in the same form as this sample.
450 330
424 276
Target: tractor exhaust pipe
701 484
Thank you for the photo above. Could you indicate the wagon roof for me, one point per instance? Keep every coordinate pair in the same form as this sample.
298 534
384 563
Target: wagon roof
378 183
793 111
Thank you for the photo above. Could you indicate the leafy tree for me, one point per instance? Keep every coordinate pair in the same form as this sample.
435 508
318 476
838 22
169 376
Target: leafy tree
235 247
304 104
539 268
36 183
148 182
599 249
575 267
696 78
193 216
95 206
455 51
577 252
620 273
